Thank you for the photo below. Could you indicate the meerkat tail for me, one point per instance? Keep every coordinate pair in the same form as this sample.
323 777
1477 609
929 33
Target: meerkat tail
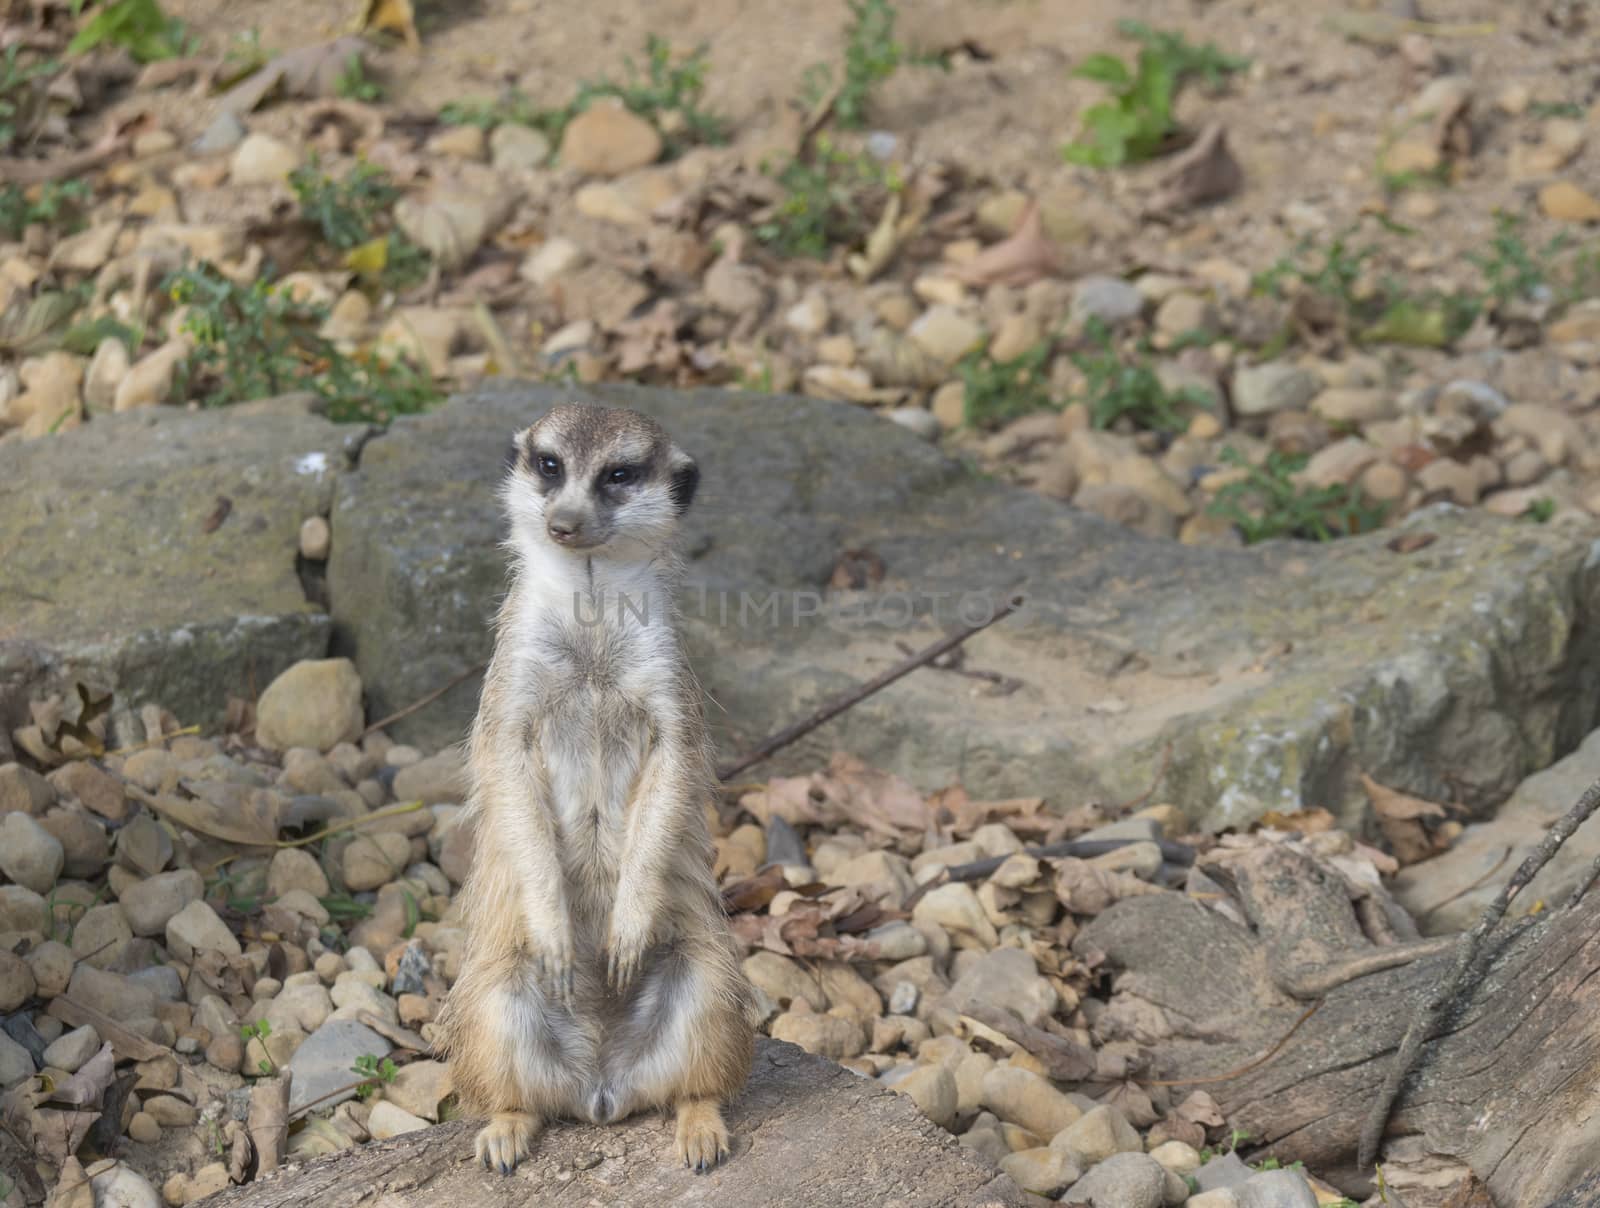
702 1137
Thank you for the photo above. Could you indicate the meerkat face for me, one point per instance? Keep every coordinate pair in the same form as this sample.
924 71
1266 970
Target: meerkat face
598 481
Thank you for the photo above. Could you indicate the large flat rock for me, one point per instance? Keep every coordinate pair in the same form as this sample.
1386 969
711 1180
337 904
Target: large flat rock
120 562
806 1134
1261 678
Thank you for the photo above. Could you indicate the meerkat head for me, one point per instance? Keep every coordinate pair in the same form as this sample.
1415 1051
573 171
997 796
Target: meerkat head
598 481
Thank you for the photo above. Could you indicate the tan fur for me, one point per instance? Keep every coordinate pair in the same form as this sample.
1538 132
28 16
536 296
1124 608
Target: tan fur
600 977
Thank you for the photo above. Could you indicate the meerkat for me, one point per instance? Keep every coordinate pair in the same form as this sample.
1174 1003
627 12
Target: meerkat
600 977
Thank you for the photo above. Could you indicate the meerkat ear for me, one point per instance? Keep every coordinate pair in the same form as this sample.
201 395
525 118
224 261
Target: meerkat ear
685 481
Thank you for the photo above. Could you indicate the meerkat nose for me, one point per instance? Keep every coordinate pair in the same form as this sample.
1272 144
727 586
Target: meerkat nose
563 528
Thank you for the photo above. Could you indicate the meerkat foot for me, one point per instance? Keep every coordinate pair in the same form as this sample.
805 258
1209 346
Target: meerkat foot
507 1139
702 1139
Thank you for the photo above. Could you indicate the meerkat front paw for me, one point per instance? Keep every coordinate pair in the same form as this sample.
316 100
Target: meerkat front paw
702 1138
628 938
506 1140
551 952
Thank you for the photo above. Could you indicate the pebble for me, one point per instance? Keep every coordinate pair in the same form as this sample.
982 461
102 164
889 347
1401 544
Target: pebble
1098 1134
388 1120
1340 463
550 260
1275 386
374 859
1276 1189
437 779
87 251
323 1061
29 855
1566 202
51 965
514 147
149 382
784 981
196 928
261 159
419 1088
15 1062
1109 299
946 333
101 936
933 1089
825 1035
121 1186
1218 1197
1041 1170
459 142
17 983
839 382
955 907
23 789
1006 978
1124 1180
96 789
316 539
144 1128
1353 405
1177 1156
1020 1096
150 904
224 133
607 140
316 703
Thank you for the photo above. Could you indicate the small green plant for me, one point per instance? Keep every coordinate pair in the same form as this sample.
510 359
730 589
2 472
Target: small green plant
1267 503
667 94
871 55
413 913
1539 511
355 84
21 94
1544 109
260 1030
254 341
1138 122
1120 388
341 907
829 197
1555 271
59 205
137 26
347 211
996 392
513 106
377 1073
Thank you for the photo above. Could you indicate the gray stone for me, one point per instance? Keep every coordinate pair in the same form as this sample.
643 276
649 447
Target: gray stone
24 789
72 1049
15 1062
1275 386
149 904
323 1062
29 855
110 993
1223 1171
1109 299
110 574
1277 1189
224 133
1124 1180
314 704
1478 666
196 928
436 780
161 980
123 1187
1006 978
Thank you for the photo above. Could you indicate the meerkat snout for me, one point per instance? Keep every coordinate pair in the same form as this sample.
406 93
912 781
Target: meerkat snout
598 480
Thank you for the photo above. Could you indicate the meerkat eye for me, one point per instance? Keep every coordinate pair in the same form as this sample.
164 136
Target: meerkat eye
549 467
621 476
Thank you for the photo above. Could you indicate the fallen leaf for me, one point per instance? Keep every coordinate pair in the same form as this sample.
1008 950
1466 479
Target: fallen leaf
1023 257
1313 821
1405 822
1410 543
73 1189
1206 172
234 813
88 1085
1202 1109
304 74
396 16
754 893
218 514
1085 888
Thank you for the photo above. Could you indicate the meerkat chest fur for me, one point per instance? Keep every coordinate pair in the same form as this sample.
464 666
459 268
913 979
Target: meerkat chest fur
603 672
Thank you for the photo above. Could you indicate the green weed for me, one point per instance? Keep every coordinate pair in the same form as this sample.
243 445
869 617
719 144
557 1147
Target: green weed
254 341
513 106
1544 109
996 392
341 907
137 26
1555 271
871 55
1269 504
1138 122
1539 511
59 205
355 84
1120 388
260 1030
353 216
829 198
21 94
377 1073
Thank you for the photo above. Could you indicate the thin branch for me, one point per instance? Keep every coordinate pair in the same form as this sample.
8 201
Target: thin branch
1466 956
424 701
1083 849
776 742
344 824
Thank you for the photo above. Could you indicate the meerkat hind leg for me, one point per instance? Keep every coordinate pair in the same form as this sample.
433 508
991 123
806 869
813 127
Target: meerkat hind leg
507 1139
702 1137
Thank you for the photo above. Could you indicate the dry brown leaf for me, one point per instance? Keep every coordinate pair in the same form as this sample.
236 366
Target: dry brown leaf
1085 888
1024 256
1202 1109
873 799
397 16
233 813
1204 173
73 1189
304 74
1313 821
1133 1102
1410 543
1410 824
88 1085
